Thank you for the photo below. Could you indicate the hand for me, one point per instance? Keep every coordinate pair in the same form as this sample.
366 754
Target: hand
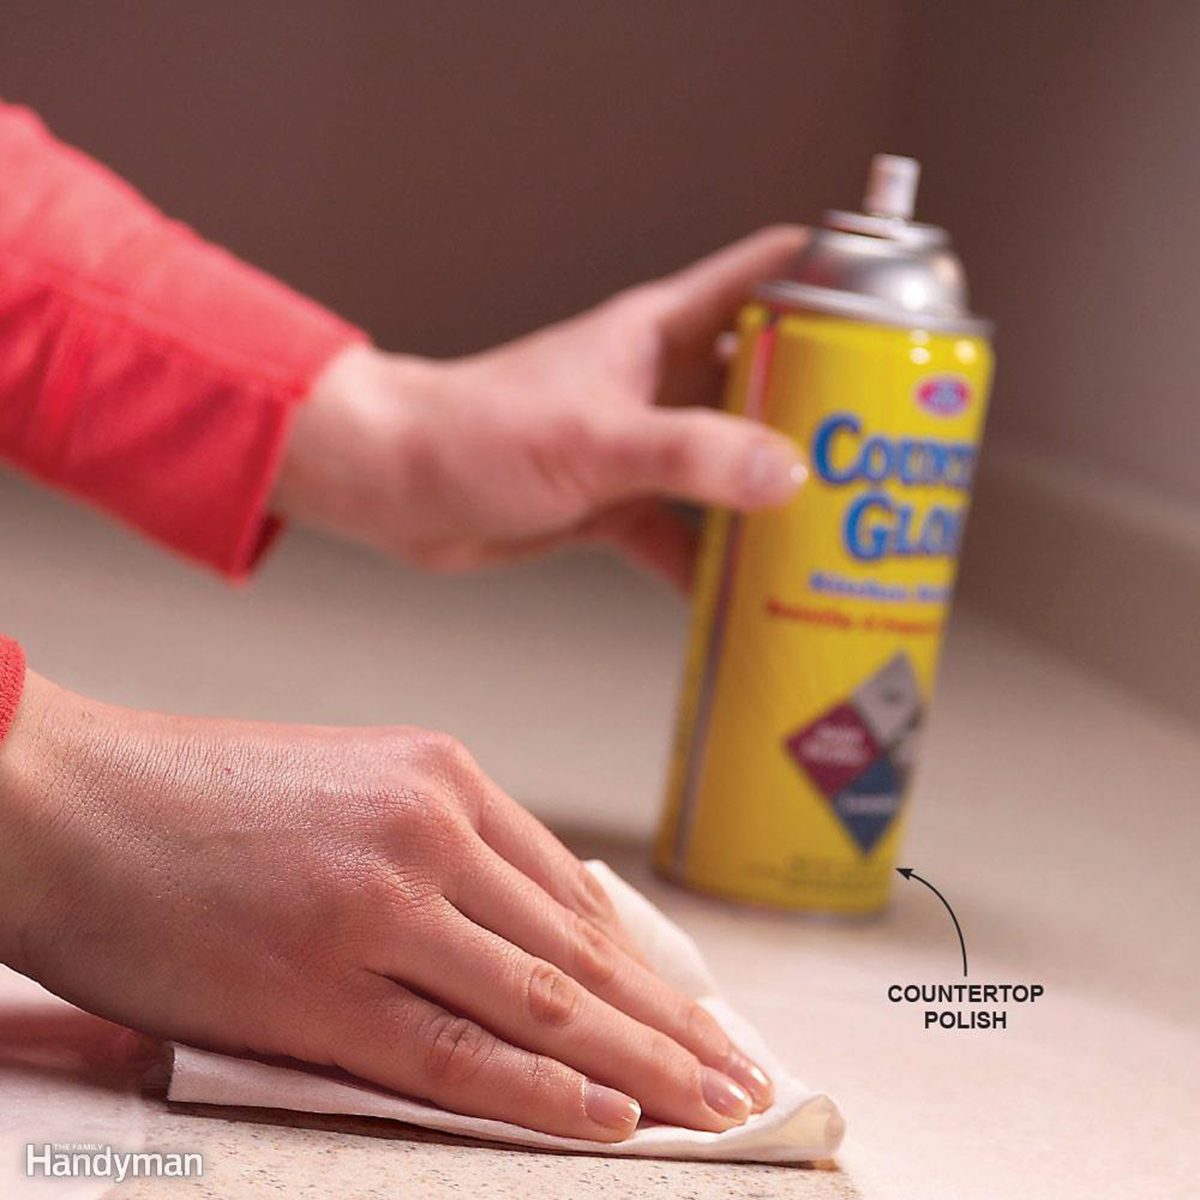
573 434
365 899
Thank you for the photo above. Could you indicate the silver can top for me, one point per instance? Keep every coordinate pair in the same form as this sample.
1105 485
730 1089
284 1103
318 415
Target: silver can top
879 265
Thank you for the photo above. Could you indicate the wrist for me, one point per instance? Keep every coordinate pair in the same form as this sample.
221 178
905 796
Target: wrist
45 766
355 446
23 821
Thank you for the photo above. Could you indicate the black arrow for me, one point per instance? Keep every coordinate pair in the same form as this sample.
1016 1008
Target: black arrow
909 873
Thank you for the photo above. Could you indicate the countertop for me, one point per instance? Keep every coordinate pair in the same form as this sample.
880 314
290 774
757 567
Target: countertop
1058 814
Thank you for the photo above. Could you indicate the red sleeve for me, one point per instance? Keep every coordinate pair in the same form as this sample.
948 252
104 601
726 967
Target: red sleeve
141 368
12 681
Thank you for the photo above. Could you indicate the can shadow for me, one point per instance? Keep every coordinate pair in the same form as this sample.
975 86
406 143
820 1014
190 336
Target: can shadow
914 919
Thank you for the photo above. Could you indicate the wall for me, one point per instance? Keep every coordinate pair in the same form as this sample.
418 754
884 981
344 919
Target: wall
1059 143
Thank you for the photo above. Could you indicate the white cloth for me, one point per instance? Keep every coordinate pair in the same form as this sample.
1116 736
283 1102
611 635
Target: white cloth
800 1126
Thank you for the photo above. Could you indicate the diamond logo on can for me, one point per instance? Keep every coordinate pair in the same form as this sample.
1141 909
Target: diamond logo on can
834 749
943 395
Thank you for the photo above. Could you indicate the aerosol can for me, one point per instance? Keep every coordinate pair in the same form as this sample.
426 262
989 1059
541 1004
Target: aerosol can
817 627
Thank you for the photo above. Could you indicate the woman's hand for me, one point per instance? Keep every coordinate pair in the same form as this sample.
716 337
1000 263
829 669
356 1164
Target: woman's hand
364 898
576 433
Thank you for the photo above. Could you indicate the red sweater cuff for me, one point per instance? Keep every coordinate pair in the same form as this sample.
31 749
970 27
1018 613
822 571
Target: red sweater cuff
12 682
143 369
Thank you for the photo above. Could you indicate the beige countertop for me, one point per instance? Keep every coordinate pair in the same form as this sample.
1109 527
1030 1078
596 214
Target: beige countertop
1059 816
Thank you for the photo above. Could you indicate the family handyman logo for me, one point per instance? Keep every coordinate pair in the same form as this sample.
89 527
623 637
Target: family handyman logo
72 1161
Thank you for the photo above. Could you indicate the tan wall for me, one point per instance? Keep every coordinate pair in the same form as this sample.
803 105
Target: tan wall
450 174
1060 143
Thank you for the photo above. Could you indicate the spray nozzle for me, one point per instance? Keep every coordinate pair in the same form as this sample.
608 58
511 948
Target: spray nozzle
892 187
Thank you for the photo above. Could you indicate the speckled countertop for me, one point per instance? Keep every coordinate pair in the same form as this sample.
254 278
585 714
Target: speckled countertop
1058 814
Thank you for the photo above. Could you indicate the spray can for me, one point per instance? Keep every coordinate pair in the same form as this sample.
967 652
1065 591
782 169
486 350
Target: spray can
817 627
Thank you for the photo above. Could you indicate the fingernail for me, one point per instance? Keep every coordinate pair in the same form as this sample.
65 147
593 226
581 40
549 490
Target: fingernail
610 1108
751 1077
722 1095
774 472
726 346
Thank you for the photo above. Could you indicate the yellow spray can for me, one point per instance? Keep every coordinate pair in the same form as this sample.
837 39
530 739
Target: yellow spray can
816 628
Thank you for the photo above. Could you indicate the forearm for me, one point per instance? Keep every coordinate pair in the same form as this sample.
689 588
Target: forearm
141 368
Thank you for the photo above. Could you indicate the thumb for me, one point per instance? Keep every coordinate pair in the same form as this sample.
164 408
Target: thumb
702 456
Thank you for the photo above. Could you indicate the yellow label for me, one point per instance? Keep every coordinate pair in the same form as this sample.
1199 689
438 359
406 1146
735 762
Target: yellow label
816 631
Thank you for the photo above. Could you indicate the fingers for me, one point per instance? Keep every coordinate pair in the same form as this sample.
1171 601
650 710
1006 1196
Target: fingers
702 456
537 903
649 534
405 1042
511 905
522 840
536 1006
698 300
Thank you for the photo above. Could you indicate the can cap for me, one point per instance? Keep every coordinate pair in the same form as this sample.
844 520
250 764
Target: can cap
879 265
892 187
